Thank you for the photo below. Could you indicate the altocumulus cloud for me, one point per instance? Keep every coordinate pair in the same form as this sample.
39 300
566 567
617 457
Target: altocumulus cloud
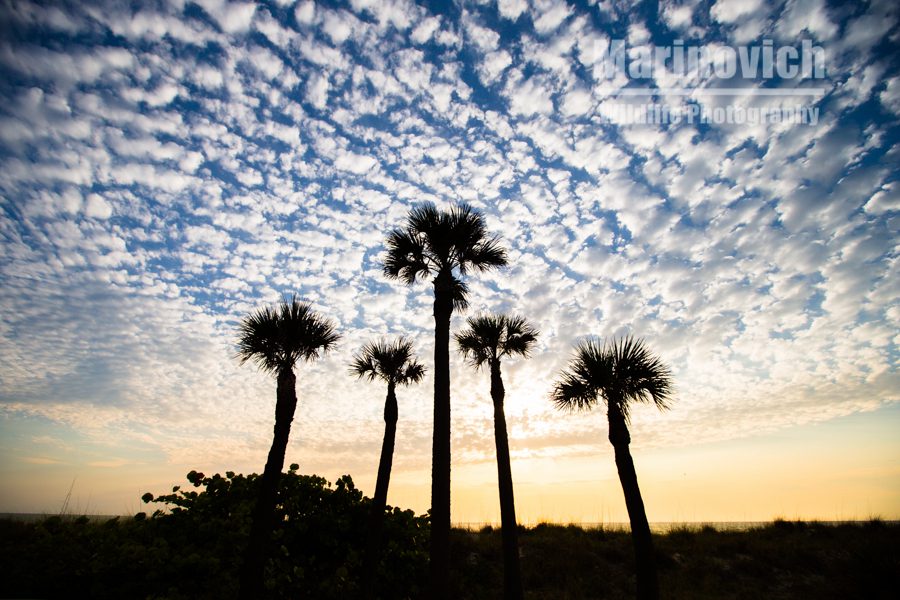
167 169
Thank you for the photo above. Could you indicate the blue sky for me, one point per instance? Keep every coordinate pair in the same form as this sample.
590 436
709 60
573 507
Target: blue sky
165 170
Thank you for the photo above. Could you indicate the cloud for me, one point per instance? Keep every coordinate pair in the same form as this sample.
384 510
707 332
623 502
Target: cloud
731 11
355 163
512 9
232 17
96 207
305 12
550 14
156 189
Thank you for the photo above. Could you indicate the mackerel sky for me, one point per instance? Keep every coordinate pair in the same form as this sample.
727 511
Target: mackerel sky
166 167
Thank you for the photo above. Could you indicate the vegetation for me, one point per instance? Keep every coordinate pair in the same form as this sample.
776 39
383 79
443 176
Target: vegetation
395 365
619 374
276 338
191 552
445 245
783 561
194 548
489 339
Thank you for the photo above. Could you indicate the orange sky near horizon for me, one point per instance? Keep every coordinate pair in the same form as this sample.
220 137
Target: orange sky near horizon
843 469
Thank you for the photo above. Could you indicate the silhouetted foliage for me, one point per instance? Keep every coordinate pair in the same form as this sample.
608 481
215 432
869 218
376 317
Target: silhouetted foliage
193 548
390 362
395 364
445 245
618 374
487 340
189 556
276 337
493 337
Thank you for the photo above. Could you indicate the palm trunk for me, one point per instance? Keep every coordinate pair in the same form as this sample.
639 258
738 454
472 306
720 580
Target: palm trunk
440 451
253 570
512 572
647 585
381 489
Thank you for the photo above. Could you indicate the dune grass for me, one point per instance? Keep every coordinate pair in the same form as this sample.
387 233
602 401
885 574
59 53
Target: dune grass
780 560
178 558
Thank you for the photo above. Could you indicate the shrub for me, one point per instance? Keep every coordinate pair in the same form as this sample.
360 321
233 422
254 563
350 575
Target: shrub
192 546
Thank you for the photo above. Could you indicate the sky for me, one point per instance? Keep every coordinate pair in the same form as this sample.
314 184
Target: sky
168 167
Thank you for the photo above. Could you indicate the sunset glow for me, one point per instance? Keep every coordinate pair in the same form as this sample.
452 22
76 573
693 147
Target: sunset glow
165 171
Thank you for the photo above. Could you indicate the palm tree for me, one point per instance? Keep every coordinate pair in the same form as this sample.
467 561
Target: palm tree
443 245
487 340
620 373
275 338
395 365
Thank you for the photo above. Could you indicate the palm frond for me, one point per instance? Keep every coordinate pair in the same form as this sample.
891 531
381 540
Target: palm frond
389 361
460 292
490 337
519 336
276 337
473 247
486 255
363 366
473 345
406 257
414 373
577 387
639 375
620 372
440 241
571 393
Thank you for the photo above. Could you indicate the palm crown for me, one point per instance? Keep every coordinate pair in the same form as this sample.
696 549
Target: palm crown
618 372
276 337
436 242
391 362
491 337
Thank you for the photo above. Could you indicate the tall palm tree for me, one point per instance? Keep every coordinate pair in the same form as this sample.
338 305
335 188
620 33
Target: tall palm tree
275 338
489 339
394 364
443 245
620 373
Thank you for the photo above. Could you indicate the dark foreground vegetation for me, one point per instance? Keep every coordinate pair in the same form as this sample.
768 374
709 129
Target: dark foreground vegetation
194 550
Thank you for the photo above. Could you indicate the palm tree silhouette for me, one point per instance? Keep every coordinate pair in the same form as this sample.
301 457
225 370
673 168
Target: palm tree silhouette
620 373
441 244
275 338
394 364
488 339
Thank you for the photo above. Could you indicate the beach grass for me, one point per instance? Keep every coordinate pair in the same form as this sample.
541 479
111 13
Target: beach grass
778 560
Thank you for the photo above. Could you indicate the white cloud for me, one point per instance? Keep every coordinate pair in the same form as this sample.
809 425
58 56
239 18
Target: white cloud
884 200
512 9
232 17
172 193
484 37
97 208
424 30
549 15
577 102
890 96
529 97
493 66
305 12
354 163
317 91
732 11
678 16
806 15
338 26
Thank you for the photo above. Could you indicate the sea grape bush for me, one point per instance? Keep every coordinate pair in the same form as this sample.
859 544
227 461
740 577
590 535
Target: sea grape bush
191 545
